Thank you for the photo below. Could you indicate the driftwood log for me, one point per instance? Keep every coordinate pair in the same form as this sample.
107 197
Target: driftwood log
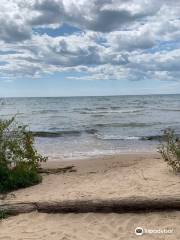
122 205
14 209
57 170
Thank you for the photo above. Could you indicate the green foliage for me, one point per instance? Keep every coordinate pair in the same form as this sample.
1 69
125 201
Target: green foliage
3 215
19 160
170 149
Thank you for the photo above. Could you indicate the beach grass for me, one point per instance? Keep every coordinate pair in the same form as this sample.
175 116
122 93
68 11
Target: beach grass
170 149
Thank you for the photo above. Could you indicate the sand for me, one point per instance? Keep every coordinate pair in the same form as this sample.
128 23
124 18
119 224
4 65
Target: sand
125 175
90 226
110 177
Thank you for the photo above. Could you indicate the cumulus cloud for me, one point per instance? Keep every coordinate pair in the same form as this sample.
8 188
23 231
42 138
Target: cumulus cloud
20 16
117 39
12 21
101 16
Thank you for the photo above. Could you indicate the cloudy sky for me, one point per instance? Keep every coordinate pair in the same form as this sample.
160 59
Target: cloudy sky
89 47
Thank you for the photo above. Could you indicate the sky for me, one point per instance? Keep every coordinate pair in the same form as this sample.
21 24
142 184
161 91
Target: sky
84 48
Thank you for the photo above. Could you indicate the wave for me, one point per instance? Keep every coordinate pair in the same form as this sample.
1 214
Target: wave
97 115
157 137
144 138
111 111
102 108
82 109
94 132
140 138
115 137
115 108
54 134
131 124
51 134
152 138
167 109
45 111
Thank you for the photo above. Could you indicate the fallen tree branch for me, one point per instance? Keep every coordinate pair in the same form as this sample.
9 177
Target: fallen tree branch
122 205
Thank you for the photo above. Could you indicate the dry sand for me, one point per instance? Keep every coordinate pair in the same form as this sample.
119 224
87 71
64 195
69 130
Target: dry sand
89 226
109 177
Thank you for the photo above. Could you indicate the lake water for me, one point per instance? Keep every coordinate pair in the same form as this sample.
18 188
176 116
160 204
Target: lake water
80 127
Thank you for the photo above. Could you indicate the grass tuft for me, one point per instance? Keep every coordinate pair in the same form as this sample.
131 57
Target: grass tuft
170 149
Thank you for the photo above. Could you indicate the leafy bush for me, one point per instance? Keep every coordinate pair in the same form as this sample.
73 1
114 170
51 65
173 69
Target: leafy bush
170 149
19 160
3 215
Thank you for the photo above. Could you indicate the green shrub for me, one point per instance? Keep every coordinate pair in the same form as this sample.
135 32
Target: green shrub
19 160
3 215
170 149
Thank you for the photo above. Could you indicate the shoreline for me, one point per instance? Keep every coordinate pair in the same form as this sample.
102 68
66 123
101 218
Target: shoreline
97 157
100 162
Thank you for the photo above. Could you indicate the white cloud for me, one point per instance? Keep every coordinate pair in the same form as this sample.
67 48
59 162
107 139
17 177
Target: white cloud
118 39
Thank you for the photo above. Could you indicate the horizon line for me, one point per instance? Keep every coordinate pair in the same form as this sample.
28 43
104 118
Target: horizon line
115 95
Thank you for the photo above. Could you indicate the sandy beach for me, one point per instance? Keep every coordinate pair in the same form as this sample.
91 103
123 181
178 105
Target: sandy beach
125 175
41 226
